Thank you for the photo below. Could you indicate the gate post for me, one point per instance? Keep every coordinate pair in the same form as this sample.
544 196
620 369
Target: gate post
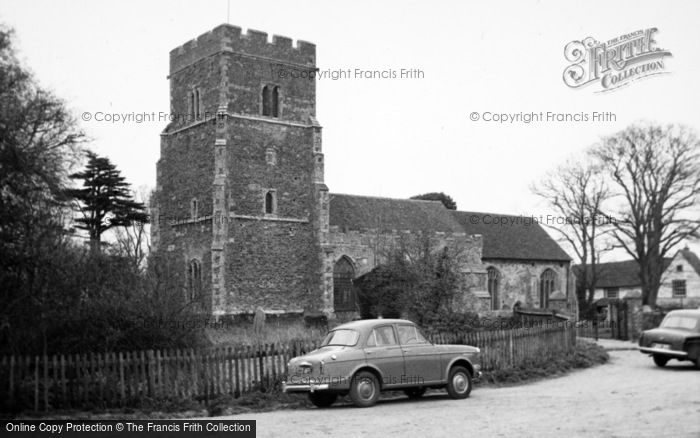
595 327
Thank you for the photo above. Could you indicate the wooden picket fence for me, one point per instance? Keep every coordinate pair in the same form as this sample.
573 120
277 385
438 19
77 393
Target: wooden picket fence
502 349
101 380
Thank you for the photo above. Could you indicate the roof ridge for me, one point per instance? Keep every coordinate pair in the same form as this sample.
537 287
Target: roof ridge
494 214
666 259
386 198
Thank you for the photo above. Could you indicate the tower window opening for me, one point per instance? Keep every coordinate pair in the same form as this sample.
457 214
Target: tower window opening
194 208
270 100
270 202
197 104
275 101
194 280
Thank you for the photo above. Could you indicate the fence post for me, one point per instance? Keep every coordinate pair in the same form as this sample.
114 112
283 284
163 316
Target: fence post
46 382
150 372
511 348
12 380
261 361
122 391
237 371
36 383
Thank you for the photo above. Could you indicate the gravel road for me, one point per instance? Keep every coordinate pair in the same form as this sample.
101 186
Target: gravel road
628 397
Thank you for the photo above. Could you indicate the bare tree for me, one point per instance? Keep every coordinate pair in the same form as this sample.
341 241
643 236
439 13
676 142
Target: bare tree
133 241
576 191
40 143
655 171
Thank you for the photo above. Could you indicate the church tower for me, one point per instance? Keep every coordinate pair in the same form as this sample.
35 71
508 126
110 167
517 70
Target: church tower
240 206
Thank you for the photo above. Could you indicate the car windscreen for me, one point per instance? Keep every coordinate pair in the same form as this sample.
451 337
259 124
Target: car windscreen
343 337
680 322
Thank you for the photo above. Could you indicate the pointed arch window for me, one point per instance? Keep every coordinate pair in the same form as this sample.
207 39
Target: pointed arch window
271 202
344 295
548 281
494 283
194 105
194 280
270 100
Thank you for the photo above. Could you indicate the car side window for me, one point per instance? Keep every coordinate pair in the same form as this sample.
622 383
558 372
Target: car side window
408 334
371 339
383 336
420 338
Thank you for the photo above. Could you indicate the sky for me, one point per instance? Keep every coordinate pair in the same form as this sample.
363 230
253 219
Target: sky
388 137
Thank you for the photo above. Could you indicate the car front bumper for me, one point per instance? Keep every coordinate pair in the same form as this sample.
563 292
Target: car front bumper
287 388
664 352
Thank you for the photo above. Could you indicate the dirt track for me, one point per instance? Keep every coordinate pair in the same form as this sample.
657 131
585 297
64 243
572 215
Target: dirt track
628 397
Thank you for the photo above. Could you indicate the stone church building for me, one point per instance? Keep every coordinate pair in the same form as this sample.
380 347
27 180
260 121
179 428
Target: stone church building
242 208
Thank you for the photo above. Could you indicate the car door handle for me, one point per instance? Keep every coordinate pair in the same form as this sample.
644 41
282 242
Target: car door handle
406 350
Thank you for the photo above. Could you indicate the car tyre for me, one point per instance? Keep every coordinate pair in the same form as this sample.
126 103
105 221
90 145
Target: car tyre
660 361
415 392
364 389
322 399
459 382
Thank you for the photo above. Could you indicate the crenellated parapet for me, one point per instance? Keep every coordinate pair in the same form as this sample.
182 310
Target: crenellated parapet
228 38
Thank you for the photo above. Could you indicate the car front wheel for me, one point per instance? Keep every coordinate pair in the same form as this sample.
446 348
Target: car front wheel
660 361
364 390
459 382
322 399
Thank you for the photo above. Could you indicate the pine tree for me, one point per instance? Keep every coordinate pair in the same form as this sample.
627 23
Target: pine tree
105 200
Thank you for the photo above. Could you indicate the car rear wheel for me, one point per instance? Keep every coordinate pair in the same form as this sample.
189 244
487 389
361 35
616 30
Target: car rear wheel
459 382
364 390
660 361
322 399
415 392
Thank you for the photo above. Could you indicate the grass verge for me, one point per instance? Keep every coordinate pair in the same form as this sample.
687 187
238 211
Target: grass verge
584 355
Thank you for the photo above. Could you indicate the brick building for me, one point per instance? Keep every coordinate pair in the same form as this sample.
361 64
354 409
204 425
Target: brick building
241 204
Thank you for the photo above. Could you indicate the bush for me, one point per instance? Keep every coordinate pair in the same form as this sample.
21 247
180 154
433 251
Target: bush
85 302
653 319
433 322
584 355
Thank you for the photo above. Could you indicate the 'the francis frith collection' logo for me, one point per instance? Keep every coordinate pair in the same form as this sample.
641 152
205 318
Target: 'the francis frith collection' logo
614 63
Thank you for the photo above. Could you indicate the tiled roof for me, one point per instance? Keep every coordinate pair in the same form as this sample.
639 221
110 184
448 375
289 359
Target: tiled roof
365 212
692 259
516 241
511 237
618 274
